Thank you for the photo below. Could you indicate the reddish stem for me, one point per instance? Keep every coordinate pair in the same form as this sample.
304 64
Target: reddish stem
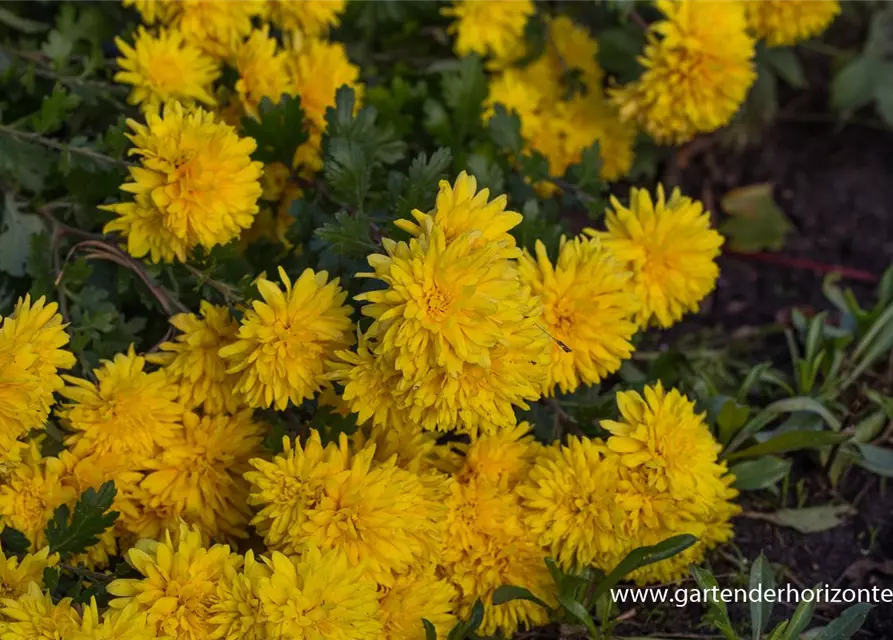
806 265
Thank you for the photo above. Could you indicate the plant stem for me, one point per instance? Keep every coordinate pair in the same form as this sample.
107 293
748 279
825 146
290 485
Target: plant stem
58 146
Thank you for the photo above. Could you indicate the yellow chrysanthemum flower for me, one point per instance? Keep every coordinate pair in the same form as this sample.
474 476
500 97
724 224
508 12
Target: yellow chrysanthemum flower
383 517
461 208
309 17
284 340
490 27
31 494
262 70
413 598
501 459
783 23
446 302
34 616
197 172
141 222
411 447
488 547
16 575
201 476
31 341
152 11
193 360
125 624
319 596
238 612
587 309
569 502
698 70
128 413
164 67
670 248
216 27
178 590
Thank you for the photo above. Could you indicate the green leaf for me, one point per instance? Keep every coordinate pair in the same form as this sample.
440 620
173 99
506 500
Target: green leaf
16 231
13 541
505 129
883 94
90 519
54 110
19 23
717 612
348 235
846 626
786 64
507 593
875 459
810 519
476 618
791 441
762 579
488 173
423 178
757 223
853 86
430 629
787 405
24 163
619 49
761 473
879 43
280 130
643 556
51 578
802 615
578 612
464 92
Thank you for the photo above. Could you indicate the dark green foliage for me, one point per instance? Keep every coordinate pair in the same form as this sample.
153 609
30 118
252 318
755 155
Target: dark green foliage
74 532
280 131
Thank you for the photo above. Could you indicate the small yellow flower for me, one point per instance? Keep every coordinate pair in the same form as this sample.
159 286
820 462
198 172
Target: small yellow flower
412 599
125 624
284 340
128 413
152 11
319 595
31 494
670 248
501 459
238 612
216 27
698 69
786 22
587 309
15 574
164 67
201 476
193 361
309 17
198 173
34 616
262 70
178 590
490 27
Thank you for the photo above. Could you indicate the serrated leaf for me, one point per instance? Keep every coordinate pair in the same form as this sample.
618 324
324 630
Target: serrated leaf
16 231
619 49
348 235
422 179
13 541
464 92
54 110
91 517
280 130
757 223
24 163
505 129
488 174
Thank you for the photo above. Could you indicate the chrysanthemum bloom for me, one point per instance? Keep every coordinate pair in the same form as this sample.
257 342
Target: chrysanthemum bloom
461 208
192 361
217 27
446 302
262 70
670 248
152 11
414 598
34 616
141 222
15 574
488 547
502 459
126 624
588 310
284 340
319 595
786 22
128 413
311 17
164 67
238 613
698 70
669 475
31 494
197 172
201 475
143 515
178 590
31 341
490 28
569 501
412 447
383 517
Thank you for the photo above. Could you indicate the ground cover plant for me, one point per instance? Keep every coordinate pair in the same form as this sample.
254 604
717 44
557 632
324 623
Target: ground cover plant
356 320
